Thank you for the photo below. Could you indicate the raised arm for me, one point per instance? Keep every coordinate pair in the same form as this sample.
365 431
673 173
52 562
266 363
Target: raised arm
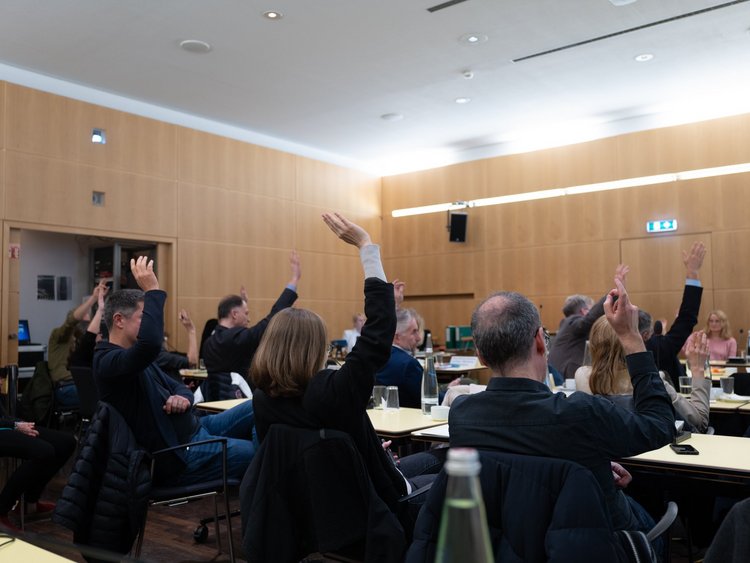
96 321
192 352
80 312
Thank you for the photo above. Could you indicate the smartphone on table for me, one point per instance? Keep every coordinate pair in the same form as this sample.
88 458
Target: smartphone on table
683 449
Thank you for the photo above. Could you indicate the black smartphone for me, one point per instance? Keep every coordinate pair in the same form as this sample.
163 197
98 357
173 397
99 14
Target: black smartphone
683 449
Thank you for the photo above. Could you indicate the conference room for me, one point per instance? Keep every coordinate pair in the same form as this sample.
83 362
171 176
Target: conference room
524 146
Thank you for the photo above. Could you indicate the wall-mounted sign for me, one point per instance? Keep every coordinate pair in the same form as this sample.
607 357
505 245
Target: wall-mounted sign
661 226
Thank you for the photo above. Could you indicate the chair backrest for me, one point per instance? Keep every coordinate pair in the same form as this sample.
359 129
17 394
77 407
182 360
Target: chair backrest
308 491
538 509
88 395
742 383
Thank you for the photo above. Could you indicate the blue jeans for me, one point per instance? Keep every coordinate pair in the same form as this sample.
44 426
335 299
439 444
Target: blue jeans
204 462
66 396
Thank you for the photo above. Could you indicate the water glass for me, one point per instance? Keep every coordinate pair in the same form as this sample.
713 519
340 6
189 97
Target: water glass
727 385
378 397
391 398
686 385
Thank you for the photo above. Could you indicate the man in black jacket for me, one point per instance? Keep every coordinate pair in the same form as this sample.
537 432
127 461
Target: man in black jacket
519 414
665 347
157 408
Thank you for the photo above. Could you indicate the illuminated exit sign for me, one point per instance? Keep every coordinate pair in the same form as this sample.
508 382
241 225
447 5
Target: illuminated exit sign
662 226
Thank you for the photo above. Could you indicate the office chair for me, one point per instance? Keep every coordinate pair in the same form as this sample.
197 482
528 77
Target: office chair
308 491
528 504
173 495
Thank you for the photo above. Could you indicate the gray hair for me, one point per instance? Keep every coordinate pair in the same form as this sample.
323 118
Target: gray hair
504 327
403 318
574 303
644 321
123 301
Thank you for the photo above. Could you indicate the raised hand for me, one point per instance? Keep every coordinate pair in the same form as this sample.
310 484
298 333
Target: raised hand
295 264
621 272
243 293
693 259
696 352
186 321
398 291
622 315
143 272
347 231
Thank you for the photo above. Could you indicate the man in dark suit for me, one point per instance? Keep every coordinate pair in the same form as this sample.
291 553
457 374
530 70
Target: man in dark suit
665 347
402 369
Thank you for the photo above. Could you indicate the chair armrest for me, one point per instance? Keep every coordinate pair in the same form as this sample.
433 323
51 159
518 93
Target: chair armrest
664 523
416 493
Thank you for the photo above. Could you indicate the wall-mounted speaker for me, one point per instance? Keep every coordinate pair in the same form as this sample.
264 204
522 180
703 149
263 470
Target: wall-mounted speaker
457 227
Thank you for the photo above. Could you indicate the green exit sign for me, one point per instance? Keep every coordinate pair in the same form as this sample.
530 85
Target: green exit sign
662 226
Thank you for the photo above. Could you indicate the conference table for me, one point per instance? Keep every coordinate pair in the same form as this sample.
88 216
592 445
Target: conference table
15 549
400 423
220 406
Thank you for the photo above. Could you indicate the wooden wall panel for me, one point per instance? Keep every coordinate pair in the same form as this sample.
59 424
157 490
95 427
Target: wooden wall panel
439 313
312 234
565 269
41 190
41 123
656 262
211 160
434 274
3 87
215 214
730 263
331 277
736 304
666 304
335 189
134 143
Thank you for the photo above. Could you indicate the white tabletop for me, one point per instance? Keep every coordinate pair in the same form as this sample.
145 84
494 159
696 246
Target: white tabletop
220 406
400 422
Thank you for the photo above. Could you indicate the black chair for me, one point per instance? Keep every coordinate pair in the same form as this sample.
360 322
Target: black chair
741 383
308 492
539 509
181 494
10 373
88 395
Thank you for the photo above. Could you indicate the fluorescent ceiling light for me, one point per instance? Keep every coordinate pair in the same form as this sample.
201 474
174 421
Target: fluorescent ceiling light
577 190
436 208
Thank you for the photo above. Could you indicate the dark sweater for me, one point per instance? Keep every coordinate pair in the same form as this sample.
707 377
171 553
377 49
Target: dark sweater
337 399
130 381
232 349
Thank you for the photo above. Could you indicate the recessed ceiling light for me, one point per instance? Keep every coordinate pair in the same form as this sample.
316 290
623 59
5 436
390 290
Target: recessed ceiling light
463 100
271 15
473 38
392 116
195 46
643 57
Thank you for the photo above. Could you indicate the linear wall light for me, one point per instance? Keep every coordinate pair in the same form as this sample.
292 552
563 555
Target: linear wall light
577 190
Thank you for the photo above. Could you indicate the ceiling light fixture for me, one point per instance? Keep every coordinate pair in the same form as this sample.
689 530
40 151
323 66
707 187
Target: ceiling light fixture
272 15
463 100
195 46
577 190
643 57
392 116
473 38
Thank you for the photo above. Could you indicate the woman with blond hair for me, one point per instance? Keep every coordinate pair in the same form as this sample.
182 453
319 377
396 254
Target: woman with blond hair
721 345
293 387
608 375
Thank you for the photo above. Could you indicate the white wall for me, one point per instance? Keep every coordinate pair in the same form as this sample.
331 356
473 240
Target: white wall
44 253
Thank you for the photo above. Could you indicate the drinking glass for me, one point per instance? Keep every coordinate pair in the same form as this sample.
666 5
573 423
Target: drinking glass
378 397
391 398
727 385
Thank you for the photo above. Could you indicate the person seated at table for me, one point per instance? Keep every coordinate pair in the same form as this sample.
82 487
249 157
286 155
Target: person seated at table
232 344
43 452
518 413
608 376
402 369
157 408
721 344
351 334
293 387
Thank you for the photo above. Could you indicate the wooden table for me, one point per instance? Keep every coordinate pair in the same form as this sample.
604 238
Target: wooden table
220 406
400 423
21 551
720 458
194 373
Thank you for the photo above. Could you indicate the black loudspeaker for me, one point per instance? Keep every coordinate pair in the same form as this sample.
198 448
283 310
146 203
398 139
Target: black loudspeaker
458 227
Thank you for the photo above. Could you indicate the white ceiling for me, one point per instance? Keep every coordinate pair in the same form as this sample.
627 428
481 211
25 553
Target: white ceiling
317 81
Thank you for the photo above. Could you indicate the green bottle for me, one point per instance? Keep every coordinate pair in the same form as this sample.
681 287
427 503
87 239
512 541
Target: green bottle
463 524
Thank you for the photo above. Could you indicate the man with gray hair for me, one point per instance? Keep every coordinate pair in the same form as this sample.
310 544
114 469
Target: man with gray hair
519 414
566 353
402 369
